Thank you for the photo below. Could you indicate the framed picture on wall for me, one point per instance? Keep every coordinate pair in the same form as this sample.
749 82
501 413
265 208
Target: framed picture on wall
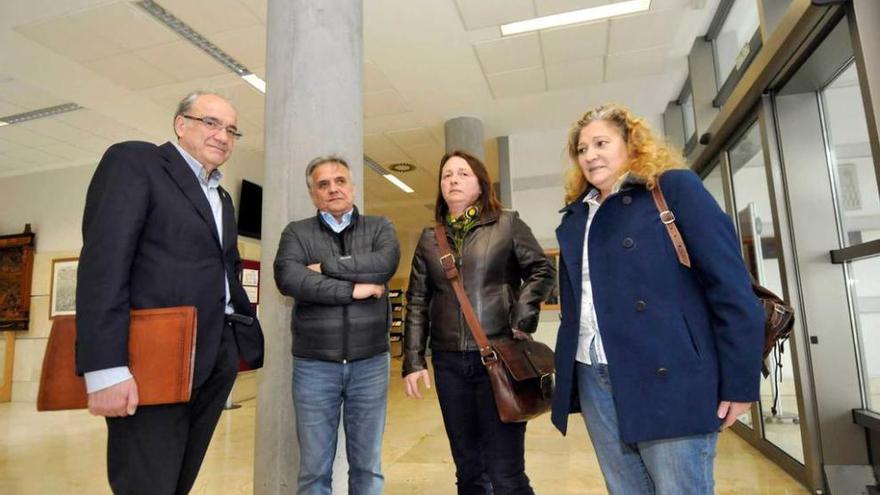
62 289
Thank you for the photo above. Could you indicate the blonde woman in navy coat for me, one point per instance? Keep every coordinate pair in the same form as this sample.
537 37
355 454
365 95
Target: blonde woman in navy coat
656 356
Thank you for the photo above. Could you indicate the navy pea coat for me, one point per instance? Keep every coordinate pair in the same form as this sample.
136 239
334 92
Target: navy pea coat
678 340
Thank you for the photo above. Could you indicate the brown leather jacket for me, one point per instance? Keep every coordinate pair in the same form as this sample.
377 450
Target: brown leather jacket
505 274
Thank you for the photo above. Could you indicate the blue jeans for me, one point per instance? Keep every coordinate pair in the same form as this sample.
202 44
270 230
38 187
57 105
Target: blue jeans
488 454
360 390
680 466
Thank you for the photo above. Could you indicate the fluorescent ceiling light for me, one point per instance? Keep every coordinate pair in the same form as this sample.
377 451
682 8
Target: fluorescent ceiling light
38 114
399 183
201 42
379 169
255 81
576 17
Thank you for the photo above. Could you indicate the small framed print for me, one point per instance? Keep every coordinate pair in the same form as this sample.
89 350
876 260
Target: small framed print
250 277
253 294
62 288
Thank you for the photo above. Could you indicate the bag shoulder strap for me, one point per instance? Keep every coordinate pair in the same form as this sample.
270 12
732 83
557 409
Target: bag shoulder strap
447 260
668 219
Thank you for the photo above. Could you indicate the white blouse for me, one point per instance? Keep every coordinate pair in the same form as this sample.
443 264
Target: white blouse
589 327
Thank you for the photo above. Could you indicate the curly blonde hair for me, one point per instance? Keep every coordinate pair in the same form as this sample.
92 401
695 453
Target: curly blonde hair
649 155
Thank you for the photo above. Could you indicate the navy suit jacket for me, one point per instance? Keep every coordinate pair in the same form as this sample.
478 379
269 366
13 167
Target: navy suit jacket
678 340
150 241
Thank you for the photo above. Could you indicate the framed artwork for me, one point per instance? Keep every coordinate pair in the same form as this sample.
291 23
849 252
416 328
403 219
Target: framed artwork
552 301
250 280
16 271
62 289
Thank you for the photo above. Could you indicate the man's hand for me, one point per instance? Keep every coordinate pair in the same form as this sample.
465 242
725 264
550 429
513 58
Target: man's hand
315 267
729 411
520 335
411 381
116 400
364 291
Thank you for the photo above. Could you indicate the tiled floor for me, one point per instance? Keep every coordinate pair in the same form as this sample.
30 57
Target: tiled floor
63 453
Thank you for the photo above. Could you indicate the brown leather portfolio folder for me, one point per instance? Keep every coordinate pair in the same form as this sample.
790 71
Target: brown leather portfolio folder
161 355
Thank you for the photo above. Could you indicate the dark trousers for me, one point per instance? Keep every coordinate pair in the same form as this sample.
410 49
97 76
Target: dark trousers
488 454
158 450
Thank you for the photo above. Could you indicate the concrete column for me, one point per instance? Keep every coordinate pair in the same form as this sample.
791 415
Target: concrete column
314 106
505 194
465 134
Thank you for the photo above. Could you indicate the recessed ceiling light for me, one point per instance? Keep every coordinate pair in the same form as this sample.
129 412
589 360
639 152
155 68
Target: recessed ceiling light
575 17
402 167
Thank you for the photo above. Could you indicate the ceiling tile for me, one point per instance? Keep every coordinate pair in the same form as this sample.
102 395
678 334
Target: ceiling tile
550 7
122 24
257 7
57 130
642 31
182 60
32 156
374 78
246 45
70 153
583 73
482 13
25 97
517 83
383 150
210 17
507 54
580 42
129 71
62 36
384 103
23 137
412 137
636 64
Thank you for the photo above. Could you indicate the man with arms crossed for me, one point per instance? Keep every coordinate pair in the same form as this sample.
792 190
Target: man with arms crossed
335 265
159 231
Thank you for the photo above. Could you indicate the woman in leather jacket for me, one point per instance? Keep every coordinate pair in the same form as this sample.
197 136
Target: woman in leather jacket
506 276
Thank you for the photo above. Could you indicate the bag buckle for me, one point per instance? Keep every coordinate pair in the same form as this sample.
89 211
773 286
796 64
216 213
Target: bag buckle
667 217
489 358
447 255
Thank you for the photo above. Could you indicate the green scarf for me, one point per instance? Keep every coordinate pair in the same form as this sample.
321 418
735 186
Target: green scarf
459 227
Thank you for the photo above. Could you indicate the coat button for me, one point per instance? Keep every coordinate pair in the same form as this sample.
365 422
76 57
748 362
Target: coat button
641 305
662 371
626 200
628 242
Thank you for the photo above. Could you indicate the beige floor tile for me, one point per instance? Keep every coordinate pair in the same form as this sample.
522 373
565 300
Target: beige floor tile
63 453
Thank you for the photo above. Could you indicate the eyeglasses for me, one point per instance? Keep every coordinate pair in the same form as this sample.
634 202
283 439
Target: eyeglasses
215 125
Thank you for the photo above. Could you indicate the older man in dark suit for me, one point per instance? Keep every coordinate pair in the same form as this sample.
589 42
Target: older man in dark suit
159 231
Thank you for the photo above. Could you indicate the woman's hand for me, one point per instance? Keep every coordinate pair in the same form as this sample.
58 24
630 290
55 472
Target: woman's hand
520 335
411 381
729 411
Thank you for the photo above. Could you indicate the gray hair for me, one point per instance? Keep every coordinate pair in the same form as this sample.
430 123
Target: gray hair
321 160
189 100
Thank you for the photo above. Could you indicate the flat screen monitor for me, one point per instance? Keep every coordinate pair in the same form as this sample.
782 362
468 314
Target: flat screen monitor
250 209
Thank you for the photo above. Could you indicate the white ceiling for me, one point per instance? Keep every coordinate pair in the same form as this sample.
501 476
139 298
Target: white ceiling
426 61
